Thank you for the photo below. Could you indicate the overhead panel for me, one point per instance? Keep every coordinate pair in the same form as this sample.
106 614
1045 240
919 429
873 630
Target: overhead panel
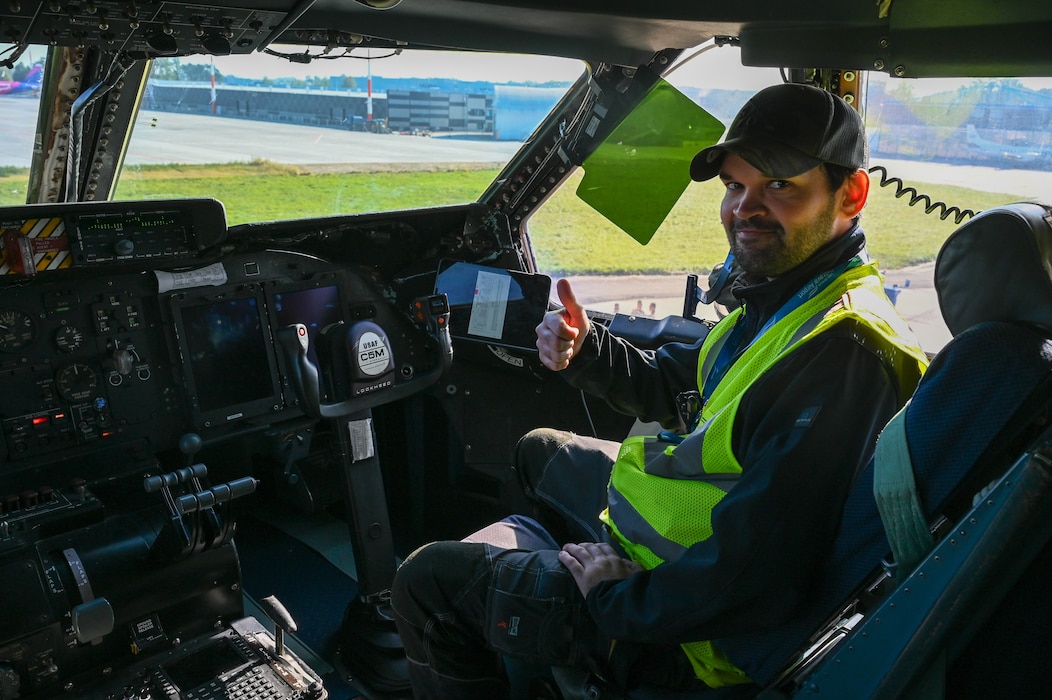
143 28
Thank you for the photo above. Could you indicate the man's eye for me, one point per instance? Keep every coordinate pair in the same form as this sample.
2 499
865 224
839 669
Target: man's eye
778 184
732 185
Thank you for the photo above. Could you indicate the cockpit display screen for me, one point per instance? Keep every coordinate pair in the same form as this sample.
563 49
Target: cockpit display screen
229 358
314 307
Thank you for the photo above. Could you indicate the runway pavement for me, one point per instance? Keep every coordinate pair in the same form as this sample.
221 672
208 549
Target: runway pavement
166 137
18 123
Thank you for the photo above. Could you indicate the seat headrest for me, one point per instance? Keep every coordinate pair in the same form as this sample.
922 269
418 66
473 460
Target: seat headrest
997 267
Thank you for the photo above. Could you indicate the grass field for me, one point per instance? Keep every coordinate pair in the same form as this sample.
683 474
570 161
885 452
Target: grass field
568 236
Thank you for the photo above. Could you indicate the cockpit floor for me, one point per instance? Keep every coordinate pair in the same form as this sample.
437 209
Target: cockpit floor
311 573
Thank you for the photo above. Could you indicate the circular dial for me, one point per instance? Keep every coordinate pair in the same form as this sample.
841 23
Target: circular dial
17 330
76 381
69 338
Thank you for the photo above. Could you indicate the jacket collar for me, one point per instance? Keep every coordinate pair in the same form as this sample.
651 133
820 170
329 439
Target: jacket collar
763 298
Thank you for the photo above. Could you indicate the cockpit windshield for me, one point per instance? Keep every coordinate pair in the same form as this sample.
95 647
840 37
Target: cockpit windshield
940 150
290 133
372 131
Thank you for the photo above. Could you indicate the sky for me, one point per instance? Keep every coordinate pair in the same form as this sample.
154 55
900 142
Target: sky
717 68
496 68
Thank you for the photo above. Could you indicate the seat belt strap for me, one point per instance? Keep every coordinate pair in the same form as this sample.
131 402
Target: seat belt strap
895 491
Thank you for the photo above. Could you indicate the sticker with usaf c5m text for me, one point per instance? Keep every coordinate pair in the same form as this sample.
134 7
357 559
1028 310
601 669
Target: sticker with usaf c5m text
374 357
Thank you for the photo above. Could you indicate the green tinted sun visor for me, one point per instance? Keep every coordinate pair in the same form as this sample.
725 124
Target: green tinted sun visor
638 173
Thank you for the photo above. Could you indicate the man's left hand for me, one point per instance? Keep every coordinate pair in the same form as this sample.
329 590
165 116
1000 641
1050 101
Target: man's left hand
591 562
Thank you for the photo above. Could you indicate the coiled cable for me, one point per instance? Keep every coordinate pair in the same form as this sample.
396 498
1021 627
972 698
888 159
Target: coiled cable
901 190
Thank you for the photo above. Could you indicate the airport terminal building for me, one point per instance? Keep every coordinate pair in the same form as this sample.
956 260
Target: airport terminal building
502 112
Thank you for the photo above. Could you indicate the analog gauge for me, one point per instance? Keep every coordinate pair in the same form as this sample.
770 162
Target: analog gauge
76 381
69 338
17 330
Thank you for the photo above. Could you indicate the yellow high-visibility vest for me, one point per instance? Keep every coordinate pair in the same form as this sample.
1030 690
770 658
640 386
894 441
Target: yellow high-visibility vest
661 494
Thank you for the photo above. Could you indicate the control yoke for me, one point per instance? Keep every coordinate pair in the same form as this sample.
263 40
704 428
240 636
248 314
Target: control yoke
367 353
357 362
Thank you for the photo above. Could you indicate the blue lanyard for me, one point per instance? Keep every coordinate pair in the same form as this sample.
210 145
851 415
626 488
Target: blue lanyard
806 293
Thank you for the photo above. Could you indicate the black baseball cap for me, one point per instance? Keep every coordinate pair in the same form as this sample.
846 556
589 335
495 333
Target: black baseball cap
785 130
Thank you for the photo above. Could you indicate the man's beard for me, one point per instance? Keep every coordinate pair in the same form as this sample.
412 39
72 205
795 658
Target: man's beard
775 257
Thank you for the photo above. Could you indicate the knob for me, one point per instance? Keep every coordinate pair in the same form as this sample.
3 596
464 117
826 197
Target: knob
190 444
92 620
122 361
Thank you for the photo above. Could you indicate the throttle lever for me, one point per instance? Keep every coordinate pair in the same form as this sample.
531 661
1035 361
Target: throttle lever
214 495
164 484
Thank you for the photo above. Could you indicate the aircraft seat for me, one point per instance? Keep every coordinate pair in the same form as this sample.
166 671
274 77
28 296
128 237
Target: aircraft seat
985 401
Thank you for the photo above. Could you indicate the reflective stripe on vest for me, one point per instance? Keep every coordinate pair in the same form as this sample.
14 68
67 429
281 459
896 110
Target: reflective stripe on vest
661 495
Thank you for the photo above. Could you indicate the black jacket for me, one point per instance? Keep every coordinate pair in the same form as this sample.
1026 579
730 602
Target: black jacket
772 531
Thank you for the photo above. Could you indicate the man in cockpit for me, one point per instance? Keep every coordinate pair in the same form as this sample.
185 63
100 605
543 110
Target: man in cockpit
659 560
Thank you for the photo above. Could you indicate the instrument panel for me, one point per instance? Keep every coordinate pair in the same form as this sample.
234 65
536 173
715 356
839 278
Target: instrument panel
79 363
130 333
134 335
135 352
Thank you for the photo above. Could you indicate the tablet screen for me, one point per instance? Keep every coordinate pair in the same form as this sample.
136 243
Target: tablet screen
493 305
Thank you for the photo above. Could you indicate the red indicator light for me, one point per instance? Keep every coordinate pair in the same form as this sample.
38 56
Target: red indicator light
301 330
40 420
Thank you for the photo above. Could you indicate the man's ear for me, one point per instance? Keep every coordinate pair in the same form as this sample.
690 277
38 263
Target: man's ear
854 192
